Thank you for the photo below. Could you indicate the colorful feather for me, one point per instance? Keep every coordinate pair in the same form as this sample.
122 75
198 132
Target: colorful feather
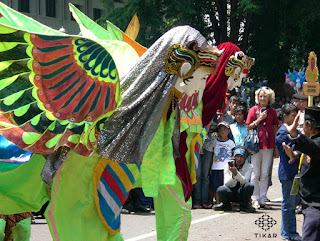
12 18
54 90
92 30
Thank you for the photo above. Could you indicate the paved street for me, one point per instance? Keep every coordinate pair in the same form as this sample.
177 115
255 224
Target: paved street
206 224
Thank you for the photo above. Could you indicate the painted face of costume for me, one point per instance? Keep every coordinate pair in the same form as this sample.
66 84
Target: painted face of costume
195 83
192 65
238 68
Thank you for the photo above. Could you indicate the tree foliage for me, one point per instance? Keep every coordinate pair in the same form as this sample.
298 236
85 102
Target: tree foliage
278 33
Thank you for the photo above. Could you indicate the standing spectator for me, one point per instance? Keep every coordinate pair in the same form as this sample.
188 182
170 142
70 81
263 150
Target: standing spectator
201 188
234 102
301 102
309 145
263 117
222 153
239 129
228 116
287 171
237 186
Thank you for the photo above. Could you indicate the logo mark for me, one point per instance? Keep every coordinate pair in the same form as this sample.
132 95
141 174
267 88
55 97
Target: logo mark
265 222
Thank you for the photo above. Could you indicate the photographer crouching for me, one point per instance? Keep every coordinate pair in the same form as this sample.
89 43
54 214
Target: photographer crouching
237 186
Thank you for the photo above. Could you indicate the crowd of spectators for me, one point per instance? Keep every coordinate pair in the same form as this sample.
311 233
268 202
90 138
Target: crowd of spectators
229 175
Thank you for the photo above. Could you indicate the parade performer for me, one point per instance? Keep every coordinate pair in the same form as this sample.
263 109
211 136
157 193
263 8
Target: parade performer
58 92
13 226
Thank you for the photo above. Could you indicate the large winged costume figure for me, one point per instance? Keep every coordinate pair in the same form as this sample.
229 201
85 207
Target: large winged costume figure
102 115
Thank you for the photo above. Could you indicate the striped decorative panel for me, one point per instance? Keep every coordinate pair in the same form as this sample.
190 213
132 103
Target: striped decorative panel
113 182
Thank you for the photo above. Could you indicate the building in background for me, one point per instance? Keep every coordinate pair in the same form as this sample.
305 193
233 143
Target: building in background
55 13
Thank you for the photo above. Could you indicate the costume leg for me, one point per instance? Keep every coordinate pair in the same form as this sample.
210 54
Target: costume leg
15 227
2 228
22 230
173 214
22 189
72 213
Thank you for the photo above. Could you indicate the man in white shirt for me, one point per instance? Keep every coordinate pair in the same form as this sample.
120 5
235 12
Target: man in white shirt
237 186
301 102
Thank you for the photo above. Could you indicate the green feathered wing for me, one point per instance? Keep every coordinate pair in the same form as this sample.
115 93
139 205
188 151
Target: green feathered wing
12 18
55 90
92 30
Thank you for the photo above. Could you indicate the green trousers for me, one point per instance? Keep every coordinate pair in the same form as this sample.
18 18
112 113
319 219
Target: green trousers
173 214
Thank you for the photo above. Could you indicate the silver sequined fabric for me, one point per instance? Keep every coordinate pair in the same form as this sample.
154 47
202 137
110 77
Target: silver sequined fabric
53 163
145 93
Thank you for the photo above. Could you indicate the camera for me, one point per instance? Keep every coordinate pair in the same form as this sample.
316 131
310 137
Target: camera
231 163
263 109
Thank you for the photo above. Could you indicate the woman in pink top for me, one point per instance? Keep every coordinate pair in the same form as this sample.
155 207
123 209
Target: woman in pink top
264 118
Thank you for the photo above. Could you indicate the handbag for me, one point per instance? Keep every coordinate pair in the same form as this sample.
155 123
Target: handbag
251 140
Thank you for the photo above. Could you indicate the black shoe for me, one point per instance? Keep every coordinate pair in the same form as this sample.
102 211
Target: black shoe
141 209
222 207
299 209
248 209
125 211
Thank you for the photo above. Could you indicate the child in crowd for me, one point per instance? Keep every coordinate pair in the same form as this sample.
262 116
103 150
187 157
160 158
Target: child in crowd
222 153
287 171
239 129
201 188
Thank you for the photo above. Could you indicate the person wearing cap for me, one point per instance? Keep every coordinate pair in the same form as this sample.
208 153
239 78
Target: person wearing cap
222 153
309 186
237 186
301 102
286 172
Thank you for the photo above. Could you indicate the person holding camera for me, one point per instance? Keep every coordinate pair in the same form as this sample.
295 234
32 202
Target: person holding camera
237 186
263 118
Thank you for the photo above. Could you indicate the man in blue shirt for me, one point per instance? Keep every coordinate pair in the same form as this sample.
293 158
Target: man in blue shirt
287 171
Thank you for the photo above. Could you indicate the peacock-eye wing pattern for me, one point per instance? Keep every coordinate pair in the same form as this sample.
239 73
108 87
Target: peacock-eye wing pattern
54 90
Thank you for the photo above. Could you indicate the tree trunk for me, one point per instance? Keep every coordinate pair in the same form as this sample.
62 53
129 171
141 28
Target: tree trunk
215 27
234 22
222 11
247 29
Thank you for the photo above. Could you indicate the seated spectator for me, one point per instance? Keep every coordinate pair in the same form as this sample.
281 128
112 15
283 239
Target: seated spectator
237 186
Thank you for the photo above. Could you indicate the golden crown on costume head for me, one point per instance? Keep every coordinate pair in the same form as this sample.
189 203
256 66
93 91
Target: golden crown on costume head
238 63
248 62
181 60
